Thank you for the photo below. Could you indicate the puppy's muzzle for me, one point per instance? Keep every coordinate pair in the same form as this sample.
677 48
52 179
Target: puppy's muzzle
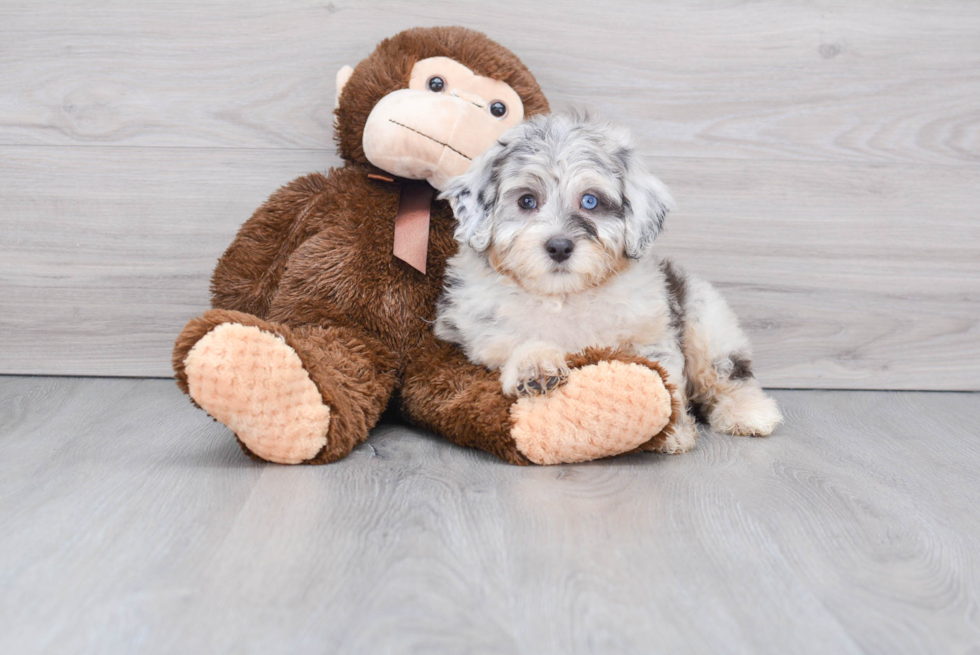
559 248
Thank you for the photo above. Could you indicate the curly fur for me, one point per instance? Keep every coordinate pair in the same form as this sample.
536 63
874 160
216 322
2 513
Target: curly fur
515 304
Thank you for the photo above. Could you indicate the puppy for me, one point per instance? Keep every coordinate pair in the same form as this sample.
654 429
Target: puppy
556 221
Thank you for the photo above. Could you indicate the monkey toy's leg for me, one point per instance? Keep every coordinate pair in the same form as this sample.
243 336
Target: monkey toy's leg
291 395
612 403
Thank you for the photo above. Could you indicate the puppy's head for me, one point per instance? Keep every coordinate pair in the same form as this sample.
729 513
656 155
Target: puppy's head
559 204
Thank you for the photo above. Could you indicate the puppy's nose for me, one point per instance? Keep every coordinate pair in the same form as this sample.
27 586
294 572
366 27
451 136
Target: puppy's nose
559 249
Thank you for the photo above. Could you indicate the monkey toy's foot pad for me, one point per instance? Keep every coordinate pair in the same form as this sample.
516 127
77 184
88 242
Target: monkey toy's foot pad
604 409
255 383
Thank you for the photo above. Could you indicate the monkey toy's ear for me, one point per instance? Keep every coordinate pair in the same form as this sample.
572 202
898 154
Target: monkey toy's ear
343 75
647 204
473 196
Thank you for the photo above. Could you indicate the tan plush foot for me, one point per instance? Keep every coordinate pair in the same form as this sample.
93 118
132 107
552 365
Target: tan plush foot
255 383
603 409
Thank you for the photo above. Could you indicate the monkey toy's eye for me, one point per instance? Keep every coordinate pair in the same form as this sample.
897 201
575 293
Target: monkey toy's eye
589 201
436 84
527 201
498 108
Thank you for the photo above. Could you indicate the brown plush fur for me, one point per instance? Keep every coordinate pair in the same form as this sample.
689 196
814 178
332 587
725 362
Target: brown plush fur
314 265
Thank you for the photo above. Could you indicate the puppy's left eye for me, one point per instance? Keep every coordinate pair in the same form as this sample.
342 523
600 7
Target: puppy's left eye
498 109
527 201
589 201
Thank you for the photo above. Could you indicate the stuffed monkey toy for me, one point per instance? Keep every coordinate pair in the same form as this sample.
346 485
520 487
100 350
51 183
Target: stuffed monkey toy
323 303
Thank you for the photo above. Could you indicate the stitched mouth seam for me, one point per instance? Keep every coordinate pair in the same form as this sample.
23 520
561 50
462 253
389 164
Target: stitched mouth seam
445 145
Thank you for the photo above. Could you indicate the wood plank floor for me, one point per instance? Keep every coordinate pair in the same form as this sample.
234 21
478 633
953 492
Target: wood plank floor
131 523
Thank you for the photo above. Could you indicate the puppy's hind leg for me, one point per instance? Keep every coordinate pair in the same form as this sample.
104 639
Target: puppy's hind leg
719 368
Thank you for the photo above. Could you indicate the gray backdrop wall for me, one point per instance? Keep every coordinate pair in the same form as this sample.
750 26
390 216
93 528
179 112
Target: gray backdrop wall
825 156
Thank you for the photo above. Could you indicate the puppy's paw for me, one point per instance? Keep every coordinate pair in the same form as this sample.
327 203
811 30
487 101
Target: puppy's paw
540 384
749 412
535 370
680 437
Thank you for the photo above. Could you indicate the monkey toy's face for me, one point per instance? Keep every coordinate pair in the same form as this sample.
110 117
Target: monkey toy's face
429 100
433 129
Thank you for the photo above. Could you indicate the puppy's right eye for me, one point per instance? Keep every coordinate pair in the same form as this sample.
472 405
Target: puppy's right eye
436 84
527 201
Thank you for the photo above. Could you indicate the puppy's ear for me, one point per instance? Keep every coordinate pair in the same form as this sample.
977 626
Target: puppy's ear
473 197
645 205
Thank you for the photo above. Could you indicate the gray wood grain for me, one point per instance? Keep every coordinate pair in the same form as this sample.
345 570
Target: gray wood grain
824 154
132 523
100 274
826 80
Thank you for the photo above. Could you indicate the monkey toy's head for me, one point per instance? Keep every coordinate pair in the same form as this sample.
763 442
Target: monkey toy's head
430 100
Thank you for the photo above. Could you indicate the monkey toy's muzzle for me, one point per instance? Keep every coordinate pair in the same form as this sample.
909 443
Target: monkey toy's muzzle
419 135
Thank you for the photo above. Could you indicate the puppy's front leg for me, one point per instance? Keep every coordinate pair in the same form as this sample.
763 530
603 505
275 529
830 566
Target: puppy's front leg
534 368
682 435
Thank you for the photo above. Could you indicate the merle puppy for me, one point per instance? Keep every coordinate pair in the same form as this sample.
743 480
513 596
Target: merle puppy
555 226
